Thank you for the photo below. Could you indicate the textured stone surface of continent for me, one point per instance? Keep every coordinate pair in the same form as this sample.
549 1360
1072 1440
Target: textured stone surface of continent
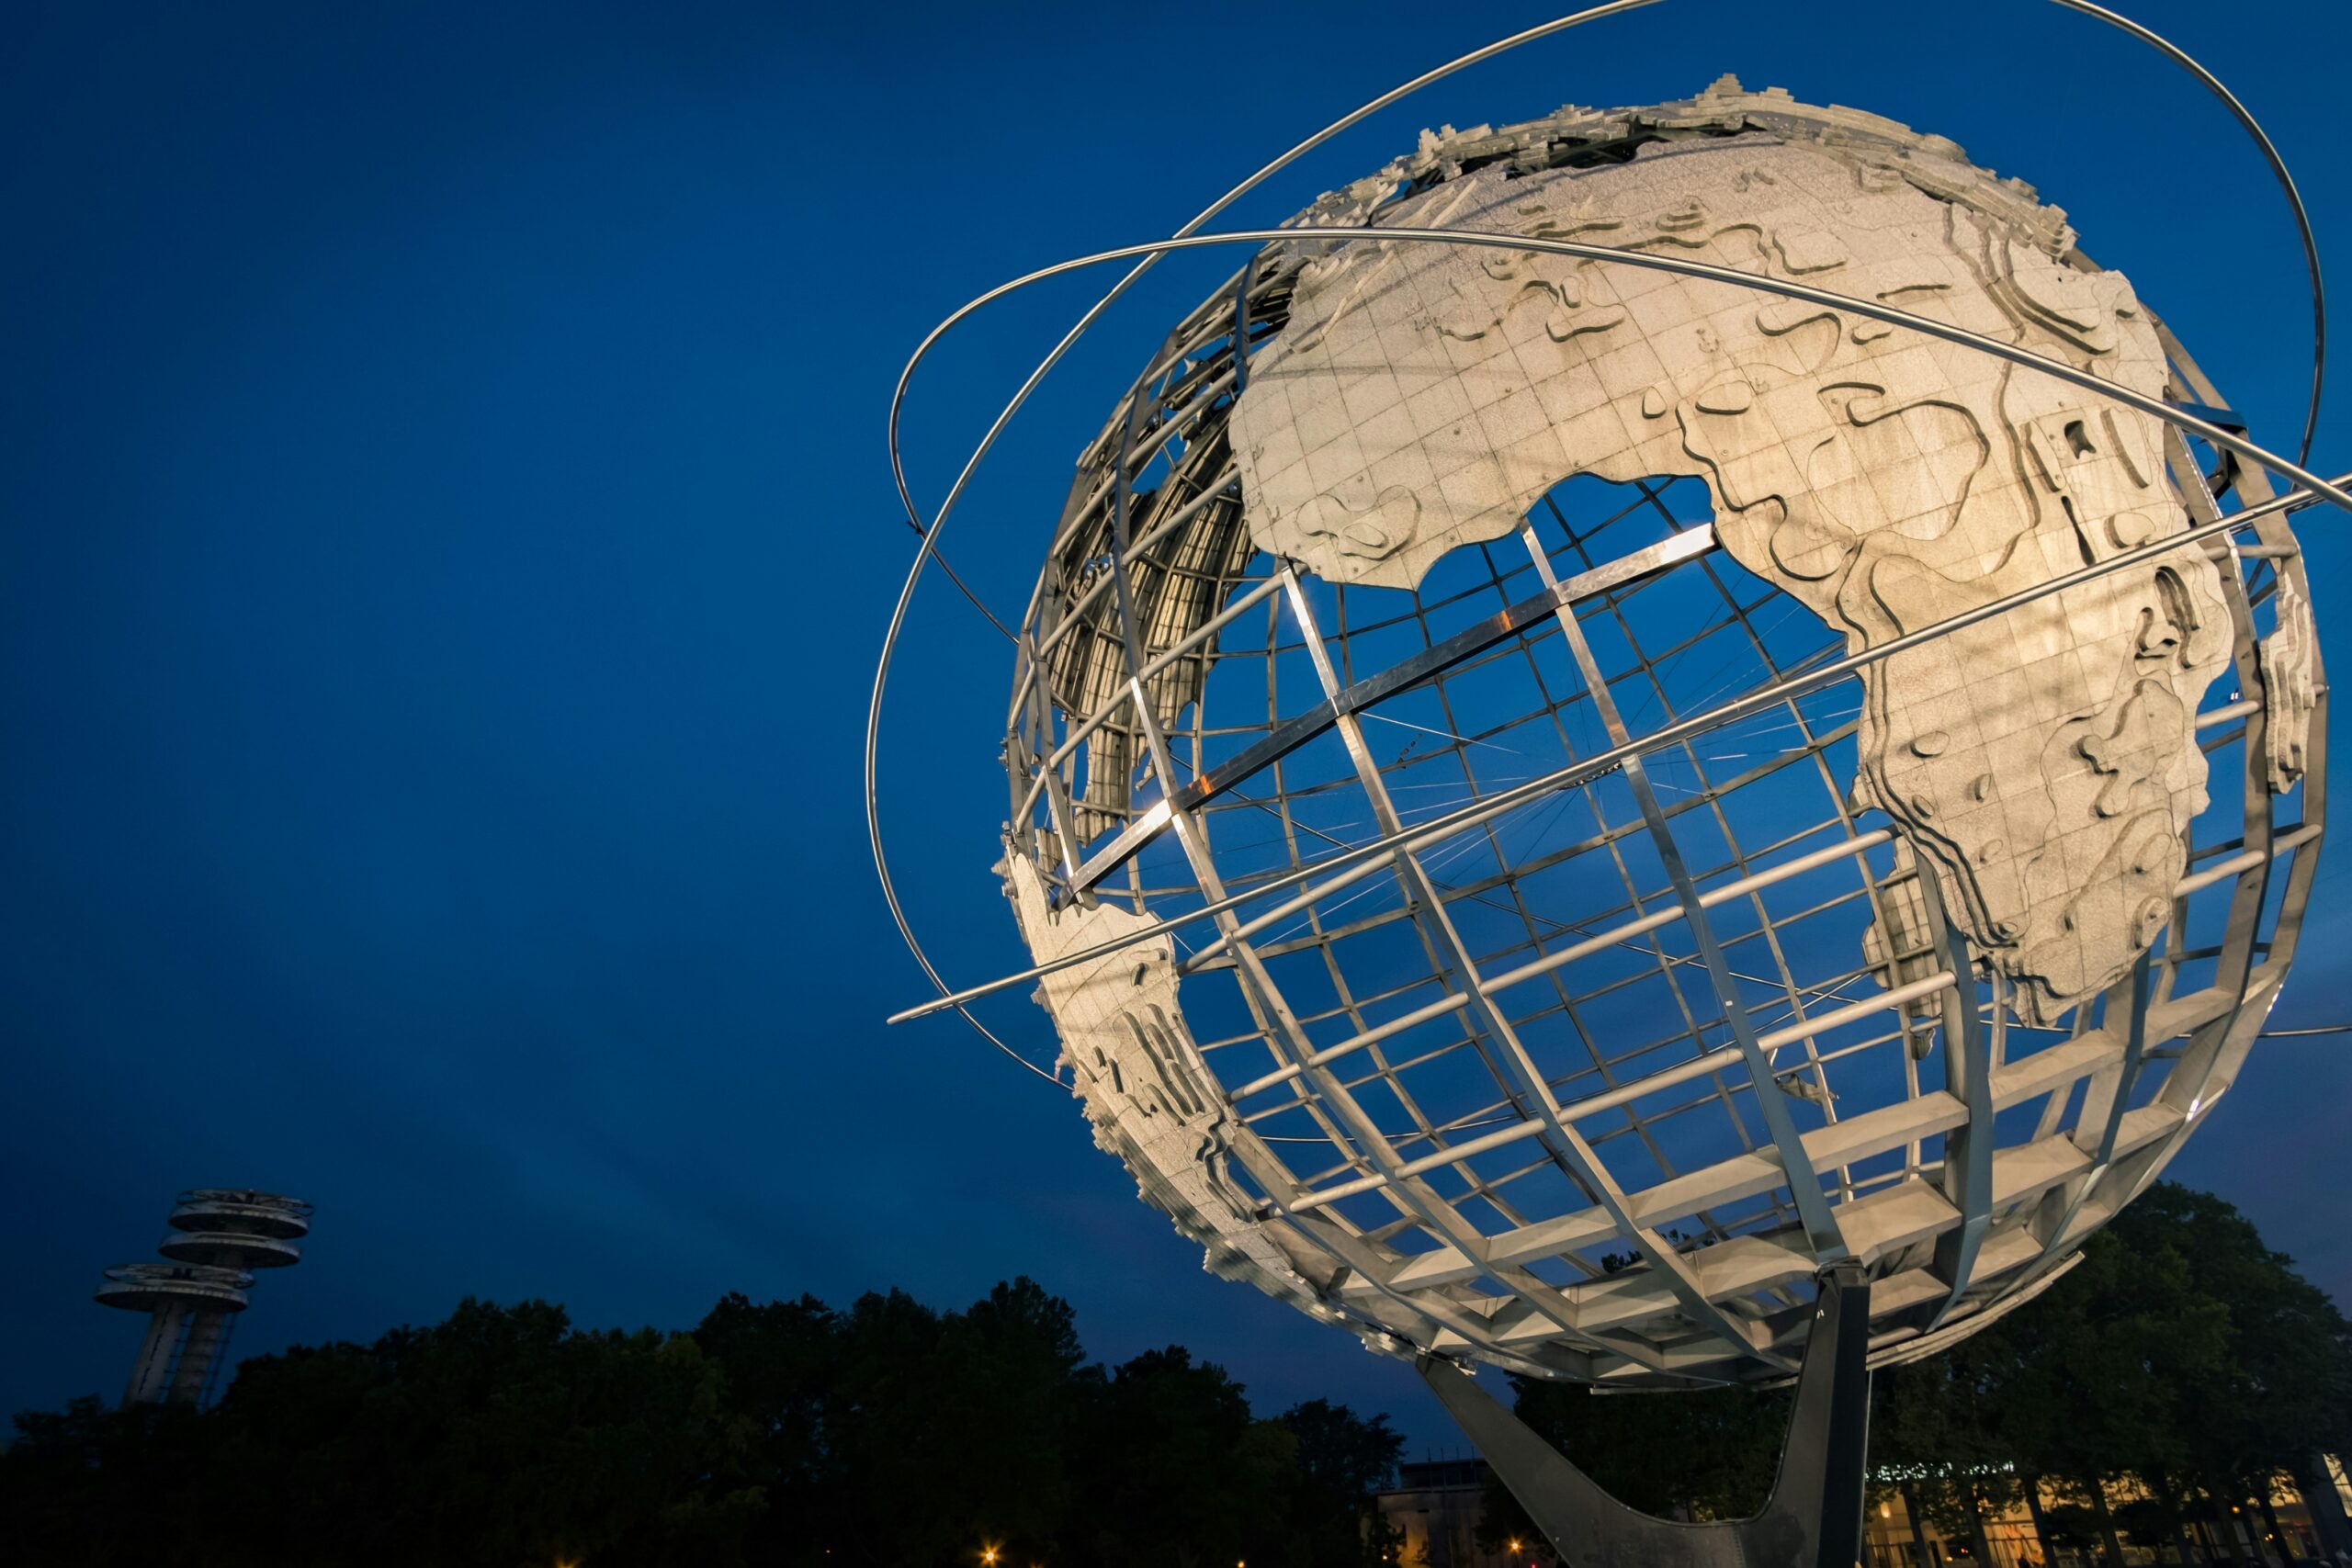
1422 397
1151 1101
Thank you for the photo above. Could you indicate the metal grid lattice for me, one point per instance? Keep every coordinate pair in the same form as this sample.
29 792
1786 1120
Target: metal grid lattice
1527 1086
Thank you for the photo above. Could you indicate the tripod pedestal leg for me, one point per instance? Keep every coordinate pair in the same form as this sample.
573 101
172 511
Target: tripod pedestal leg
1813 1518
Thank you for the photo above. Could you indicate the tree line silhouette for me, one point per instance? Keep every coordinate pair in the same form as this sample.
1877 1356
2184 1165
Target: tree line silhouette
2165 1379
783 1432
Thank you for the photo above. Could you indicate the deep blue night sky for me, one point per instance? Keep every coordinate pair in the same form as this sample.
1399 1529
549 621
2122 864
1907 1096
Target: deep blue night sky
446 534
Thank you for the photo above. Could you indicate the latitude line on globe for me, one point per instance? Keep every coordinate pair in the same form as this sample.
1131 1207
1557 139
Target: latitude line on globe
1367 856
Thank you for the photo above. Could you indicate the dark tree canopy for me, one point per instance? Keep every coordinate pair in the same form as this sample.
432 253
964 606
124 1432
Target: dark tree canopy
2179 1356
776 1432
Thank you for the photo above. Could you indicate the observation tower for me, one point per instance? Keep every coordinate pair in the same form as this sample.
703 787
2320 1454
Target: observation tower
220 1236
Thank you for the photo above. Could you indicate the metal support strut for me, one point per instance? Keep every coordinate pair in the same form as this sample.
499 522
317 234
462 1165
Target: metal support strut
1813 1518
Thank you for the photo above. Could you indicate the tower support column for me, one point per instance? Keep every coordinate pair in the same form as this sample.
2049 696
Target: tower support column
208 1336
150 1373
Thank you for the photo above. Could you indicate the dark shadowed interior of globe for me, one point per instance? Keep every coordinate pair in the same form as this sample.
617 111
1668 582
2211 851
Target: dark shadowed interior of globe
1374 1033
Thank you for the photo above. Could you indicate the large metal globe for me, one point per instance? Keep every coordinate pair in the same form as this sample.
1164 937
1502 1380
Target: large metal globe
1689 784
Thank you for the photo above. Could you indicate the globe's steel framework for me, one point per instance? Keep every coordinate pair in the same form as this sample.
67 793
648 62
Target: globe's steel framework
1150 256
1409 1294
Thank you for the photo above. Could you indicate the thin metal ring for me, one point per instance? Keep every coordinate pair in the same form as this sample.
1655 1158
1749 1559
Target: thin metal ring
929 537
1707 272
2311 485
1150 256
2278 171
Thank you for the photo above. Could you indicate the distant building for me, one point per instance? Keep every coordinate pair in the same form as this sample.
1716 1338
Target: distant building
1437 1505
1889 1540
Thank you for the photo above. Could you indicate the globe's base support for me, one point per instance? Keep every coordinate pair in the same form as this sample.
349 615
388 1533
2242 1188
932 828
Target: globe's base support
1814 1516
2316 1483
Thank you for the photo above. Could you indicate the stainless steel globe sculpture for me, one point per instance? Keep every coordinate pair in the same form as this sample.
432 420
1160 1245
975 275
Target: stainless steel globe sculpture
1570 774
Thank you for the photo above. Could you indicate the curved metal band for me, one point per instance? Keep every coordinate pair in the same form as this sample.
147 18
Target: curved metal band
930 536
1707 272
1200 220
1503 46
2238 112
2310 485
874 825
929 546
